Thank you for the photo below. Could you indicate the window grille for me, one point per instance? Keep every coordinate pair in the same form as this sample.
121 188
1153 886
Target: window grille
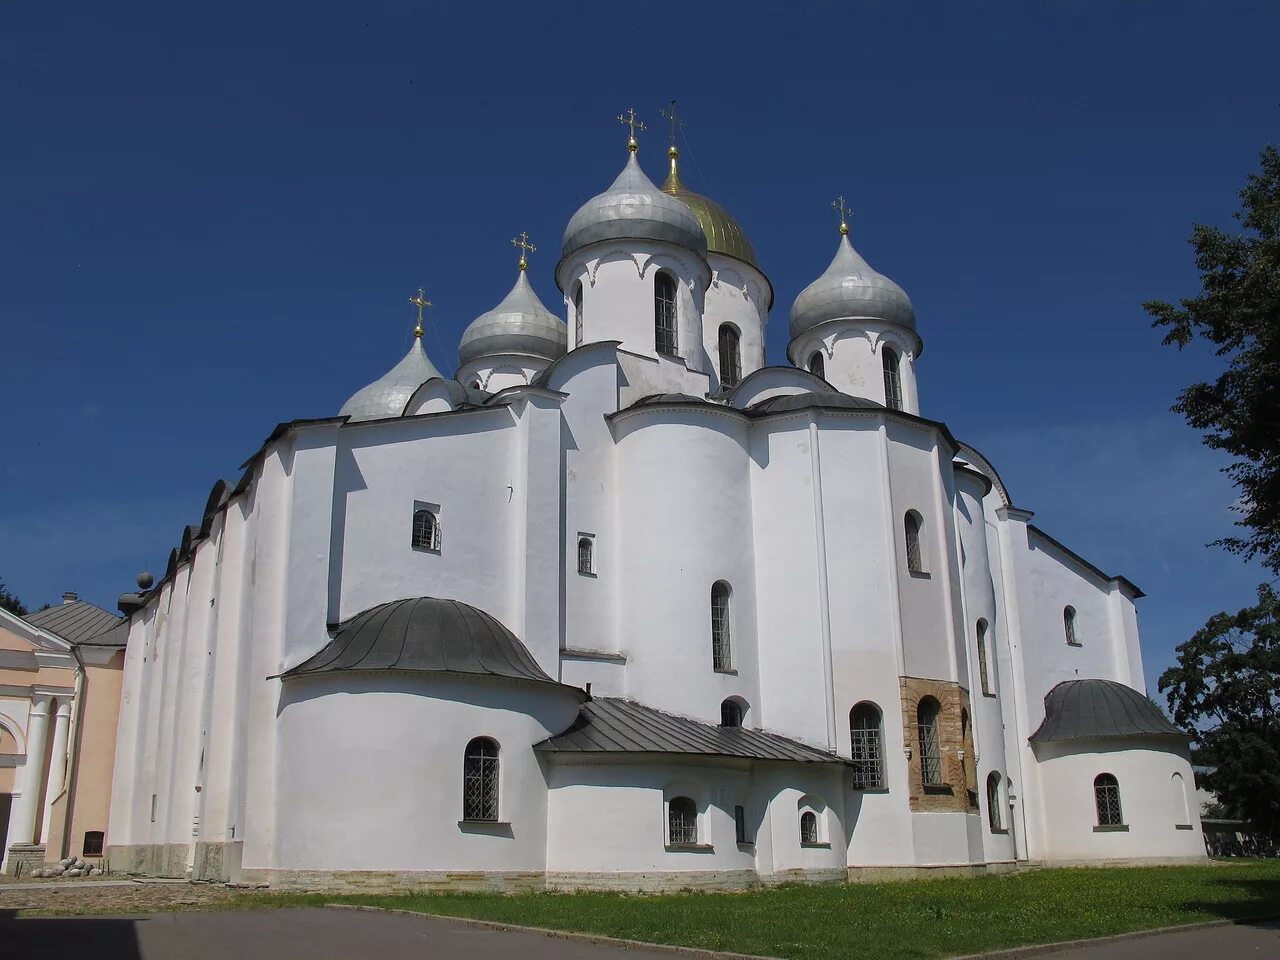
730 714
586 558
1106 796
1069 625
730 358
682 821
892 383
664 313
865 747
930 749
911 528
993 801
577 315
817 366
983 676
480 780
721 652
740 824
92 844
808 827
426 530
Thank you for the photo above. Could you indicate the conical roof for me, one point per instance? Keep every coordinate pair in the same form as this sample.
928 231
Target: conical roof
519 325
850 288
387 396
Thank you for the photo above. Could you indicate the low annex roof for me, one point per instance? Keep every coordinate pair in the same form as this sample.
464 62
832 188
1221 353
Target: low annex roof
614 725
80 622
1090 709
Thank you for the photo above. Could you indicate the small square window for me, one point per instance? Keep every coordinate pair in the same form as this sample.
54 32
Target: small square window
92 844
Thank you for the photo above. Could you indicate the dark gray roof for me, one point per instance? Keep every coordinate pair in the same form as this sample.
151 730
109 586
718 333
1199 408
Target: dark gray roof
76 622
789 402
657 398
427 635
612 725
1088 709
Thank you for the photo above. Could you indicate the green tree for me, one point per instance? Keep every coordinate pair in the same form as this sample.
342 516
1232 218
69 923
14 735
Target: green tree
1225 692
1238 312
11 603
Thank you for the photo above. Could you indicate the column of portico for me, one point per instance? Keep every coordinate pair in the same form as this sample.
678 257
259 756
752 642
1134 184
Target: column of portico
22 823
57 768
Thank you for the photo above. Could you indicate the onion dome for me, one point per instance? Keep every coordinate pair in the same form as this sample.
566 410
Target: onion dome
387 396
634 209
519 325
850 289
723 232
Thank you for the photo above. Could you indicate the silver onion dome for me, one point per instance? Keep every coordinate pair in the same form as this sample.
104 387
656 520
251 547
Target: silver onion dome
387 396
851 289
634 209
519 325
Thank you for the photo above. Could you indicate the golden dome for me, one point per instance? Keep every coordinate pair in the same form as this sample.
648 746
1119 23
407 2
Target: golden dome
724 234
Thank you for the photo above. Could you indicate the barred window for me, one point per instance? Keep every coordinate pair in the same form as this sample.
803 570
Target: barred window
426 530
92 844
983 675
866 747
911 530
480 780
730 713
817 366
577 315
682 821
730 357
993 801
808 827
1106 797
930 748
721 651
892 383
740 824
1069 625
664 313
586 556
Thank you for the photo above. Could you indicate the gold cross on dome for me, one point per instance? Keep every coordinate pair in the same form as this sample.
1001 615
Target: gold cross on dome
669 114
839 204
419 301
630 120
526 248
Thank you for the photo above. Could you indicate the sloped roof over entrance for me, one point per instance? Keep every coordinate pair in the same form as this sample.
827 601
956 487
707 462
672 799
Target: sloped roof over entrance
1092 709
613 725
79 622
425 635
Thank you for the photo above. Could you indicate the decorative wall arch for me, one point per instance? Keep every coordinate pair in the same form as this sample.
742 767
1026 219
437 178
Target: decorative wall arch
15 730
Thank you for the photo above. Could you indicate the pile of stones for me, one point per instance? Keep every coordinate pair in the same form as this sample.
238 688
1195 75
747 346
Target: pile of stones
67 867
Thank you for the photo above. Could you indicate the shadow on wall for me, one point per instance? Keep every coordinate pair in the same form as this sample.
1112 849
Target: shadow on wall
69 937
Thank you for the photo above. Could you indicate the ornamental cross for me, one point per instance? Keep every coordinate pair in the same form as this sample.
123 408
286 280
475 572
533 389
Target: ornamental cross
420 301
669 114
839 204
630 120
526 248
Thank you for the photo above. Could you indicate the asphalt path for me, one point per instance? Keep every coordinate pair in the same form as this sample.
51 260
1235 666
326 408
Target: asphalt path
1255 941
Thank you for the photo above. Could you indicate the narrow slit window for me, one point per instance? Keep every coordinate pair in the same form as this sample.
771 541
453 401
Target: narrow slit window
983 670
721 649
577 315
994 819
730 357
930 747
911 532
817 366
740 824
1069 626
892 381
664 313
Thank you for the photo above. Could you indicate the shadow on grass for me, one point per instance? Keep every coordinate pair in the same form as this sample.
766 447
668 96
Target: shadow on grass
102 939
1259 897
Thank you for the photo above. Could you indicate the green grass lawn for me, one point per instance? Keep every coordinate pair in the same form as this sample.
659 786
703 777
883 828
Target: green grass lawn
907 919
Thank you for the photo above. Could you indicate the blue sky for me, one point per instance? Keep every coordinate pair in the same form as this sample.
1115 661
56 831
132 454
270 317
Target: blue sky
210 222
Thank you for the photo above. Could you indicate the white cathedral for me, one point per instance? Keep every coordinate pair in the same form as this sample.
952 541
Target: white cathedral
620 605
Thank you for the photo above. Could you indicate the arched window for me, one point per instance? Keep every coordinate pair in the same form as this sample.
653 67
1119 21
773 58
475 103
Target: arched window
1106 797
474 384
480 780
993 802
730 713
426 530
730 357
682 820
866 747
664 313
1181 810
930 748
808 827
817 366
911 529
1069 625
721 650
983 675
586 556
577 314
892 383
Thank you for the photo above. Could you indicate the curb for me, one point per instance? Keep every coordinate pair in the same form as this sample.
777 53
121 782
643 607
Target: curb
1011 953
559 934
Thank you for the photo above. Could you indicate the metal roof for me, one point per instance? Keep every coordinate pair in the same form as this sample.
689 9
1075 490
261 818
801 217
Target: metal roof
850 287
614 725
520 325
387 396
76 622
1089 709
426 635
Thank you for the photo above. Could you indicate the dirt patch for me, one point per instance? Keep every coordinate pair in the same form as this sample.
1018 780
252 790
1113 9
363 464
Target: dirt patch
76 899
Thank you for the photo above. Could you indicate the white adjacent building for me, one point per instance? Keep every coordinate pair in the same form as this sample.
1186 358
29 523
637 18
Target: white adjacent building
621 605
